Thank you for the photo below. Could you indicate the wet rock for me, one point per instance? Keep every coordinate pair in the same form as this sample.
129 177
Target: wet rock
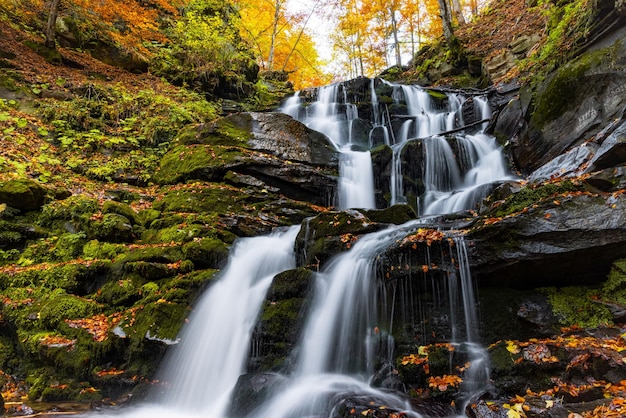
609 180
569 164
329 233
250 391
612 152
538 312
574 104
285 137
572 241
281 319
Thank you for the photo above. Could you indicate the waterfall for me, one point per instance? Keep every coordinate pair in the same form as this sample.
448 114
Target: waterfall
333 116
458 169
343 337
202 370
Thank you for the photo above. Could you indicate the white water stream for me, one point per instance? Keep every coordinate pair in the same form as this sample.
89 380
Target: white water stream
332 115
335 358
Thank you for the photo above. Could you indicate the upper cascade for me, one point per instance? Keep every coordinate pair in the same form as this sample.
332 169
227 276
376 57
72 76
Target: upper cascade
450 165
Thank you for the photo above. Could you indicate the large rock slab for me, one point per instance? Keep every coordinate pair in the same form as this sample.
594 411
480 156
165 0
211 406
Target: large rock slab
568 241
574 104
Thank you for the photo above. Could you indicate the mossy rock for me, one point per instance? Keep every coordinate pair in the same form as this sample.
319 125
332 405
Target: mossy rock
233 130
614 289
119 208
206 252
77 278
160 321
112 227
51 55
72 214
330 233
14 234
530 195
61 306
396 214
563 91
575 306
26 195
196 162
175 227
281 317
123 292
295 283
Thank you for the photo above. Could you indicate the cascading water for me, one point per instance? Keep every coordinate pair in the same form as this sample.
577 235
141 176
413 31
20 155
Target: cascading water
459 169
332 115
343 337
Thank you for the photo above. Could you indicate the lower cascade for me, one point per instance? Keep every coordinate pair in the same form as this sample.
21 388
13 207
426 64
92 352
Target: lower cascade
346 341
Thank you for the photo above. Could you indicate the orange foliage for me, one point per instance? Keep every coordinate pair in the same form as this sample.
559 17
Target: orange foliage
442 383
423 235
129 22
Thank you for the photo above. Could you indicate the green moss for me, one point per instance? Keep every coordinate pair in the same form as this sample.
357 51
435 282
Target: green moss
206 252
23 194
77 210
96 250
396 214
614 289
196 162
201 198
563 92
60 306
112 227
575 306
119 208
49 54
531 194
123 292
74 277
158 320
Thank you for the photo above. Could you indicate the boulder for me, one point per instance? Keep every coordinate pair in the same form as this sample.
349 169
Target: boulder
285 137
23 194
574 104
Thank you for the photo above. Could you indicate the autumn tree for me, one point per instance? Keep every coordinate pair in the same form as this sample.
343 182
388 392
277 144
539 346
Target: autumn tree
281 40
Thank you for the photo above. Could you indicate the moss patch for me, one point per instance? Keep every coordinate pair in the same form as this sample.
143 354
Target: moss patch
575 306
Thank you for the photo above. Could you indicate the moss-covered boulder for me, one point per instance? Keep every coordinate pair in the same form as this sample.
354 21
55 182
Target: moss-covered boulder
281 318
26 195
330 233
574 104
206 252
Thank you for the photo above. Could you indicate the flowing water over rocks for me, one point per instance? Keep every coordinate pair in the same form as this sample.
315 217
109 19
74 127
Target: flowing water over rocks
459 164
368 291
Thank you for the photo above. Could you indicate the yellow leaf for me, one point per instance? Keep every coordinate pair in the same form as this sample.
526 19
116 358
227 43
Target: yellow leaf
512 347
422 350
511 413
549 404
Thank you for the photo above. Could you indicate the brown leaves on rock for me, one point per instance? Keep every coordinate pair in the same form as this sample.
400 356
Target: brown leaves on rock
422 235
445 382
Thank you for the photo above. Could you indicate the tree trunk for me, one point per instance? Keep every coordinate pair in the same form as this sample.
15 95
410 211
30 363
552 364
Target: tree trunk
295 45
458 13
446 20
270 59
50 32
396 40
